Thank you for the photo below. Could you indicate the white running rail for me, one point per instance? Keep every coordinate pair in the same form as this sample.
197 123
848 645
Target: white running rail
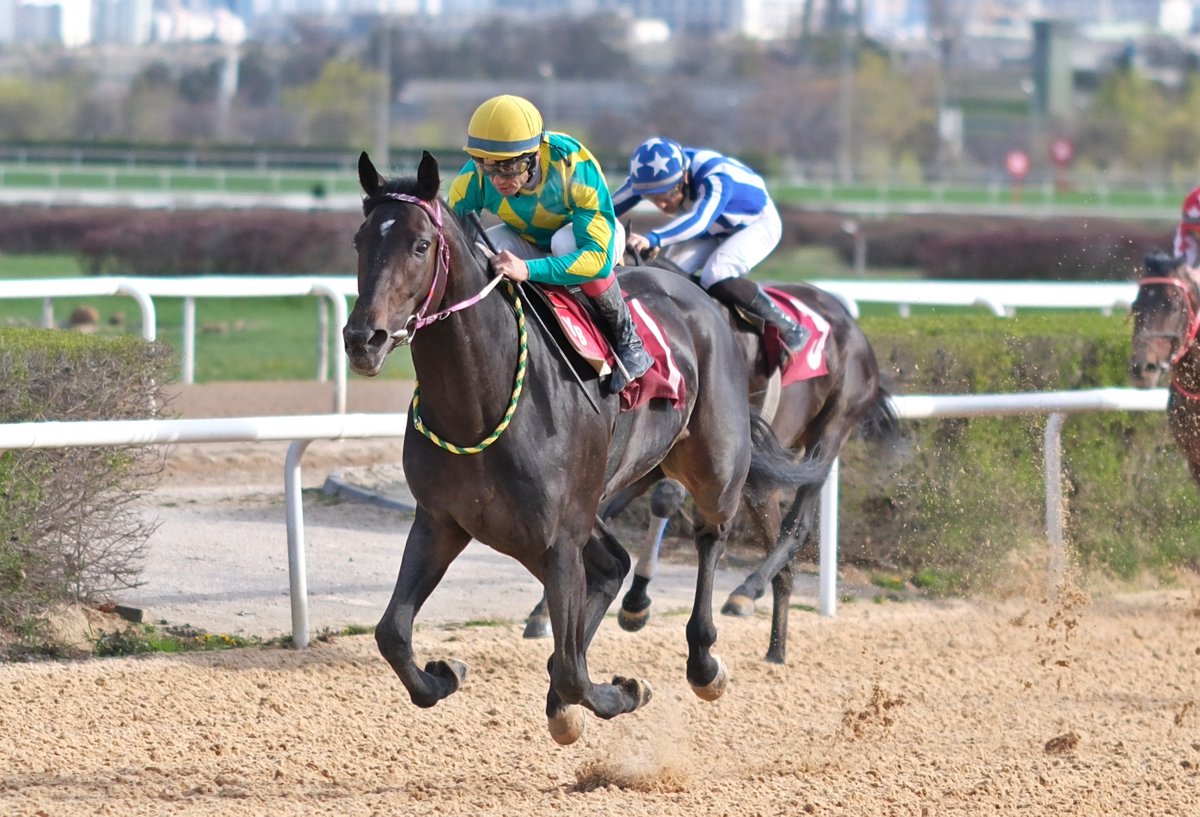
924 407
302 430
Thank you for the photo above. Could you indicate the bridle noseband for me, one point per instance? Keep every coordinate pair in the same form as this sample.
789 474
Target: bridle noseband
1193 316
1192 328
419 320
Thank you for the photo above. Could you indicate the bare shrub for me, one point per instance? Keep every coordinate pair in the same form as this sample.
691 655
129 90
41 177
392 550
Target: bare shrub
69 528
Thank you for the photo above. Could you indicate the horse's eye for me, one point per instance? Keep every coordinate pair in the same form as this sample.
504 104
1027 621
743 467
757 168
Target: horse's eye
422 247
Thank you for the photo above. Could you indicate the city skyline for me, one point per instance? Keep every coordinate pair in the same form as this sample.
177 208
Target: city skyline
76 23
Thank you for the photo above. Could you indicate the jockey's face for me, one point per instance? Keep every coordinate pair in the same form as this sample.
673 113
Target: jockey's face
507 176
670 201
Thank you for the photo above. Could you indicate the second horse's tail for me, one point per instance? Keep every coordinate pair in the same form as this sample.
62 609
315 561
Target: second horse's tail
881 423
773 466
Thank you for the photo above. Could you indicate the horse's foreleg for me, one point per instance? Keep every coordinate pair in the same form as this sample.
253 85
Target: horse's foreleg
764 514
537 623
635 604
428 552
793 532
705 671
579 590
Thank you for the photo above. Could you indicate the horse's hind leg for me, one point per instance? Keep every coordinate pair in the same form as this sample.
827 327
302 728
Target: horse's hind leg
668 495
600 571
705 671
781 590
428 552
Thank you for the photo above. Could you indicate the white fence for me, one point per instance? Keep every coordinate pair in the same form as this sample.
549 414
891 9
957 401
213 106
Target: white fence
332 291
1002 298
302 430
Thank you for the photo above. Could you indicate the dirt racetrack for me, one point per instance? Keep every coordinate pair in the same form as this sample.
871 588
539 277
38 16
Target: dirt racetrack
1084 704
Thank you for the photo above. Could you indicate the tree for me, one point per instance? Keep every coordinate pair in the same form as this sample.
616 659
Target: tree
339 107
893 109
1124 123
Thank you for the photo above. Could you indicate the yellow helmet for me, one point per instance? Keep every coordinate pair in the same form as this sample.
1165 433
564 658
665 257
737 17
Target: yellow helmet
503 127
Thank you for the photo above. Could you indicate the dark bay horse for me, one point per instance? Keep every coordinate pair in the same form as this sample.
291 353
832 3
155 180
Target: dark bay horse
1166 320
814 417
505 446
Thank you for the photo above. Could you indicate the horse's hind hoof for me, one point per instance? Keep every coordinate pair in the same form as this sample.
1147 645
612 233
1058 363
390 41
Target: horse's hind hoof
567 726
716 687
452 671
538 627
738 605
630 621
640 691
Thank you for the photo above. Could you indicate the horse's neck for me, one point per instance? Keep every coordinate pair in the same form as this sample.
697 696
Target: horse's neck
465 363
1186 373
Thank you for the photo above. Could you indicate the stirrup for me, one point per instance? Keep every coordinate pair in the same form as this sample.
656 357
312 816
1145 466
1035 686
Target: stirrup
794 339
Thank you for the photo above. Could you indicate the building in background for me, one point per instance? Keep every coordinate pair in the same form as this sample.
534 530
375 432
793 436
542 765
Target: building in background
74 23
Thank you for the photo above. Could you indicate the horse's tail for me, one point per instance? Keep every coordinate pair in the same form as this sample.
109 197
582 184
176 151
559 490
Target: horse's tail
772 465
881 423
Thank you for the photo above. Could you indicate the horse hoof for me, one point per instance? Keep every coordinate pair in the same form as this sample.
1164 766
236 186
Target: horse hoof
640 691
738 605
716 687
567 726
450 670
537 627
630 621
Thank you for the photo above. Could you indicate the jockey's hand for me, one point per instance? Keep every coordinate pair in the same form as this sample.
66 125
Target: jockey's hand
510 266
640 245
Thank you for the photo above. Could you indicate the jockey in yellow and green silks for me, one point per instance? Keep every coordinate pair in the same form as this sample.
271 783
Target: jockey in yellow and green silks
558 225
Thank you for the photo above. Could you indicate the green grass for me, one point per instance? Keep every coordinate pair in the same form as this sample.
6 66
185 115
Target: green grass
143 177
236 338
276 338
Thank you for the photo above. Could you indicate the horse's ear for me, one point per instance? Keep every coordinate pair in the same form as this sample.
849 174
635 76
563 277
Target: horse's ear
368 176
428 178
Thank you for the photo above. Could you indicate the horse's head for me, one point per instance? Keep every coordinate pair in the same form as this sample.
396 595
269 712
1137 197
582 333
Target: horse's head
402 260
1164 318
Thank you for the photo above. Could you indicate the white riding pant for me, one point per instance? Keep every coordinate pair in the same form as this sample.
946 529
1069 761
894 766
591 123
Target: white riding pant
729 256
561 243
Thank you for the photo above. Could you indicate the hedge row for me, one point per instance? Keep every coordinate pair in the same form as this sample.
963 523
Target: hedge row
988 247
192 242
68 528
965 497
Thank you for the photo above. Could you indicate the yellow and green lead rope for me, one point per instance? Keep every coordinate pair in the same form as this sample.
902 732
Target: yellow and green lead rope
518 387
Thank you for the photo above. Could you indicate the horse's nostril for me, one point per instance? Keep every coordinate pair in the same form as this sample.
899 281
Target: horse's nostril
379 339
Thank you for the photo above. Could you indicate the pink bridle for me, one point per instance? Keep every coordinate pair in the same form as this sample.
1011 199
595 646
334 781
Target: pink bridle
1193 327
419 319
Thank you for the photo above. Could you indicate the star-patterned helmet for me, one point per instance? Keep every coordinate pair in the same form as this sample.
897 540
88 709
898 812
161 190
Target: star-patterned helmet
1191 211
657 166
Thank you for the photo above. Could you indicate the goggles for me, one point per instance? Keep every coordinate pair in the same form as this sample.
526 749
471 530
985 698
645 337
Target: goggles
667 196
507 169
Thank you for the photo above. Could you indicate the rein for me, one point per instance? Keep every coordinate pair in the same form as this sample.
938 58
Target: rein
1189 337
419 320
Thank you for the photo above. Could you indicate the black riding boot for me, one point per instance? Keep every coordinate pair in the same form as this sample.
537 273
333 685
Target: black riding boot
793 335
627 346
750 296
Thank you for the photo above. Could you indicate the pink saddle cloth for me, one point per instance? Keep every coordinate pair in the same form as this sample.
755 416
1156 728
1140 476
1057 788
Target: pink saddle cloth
663 380
810 362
